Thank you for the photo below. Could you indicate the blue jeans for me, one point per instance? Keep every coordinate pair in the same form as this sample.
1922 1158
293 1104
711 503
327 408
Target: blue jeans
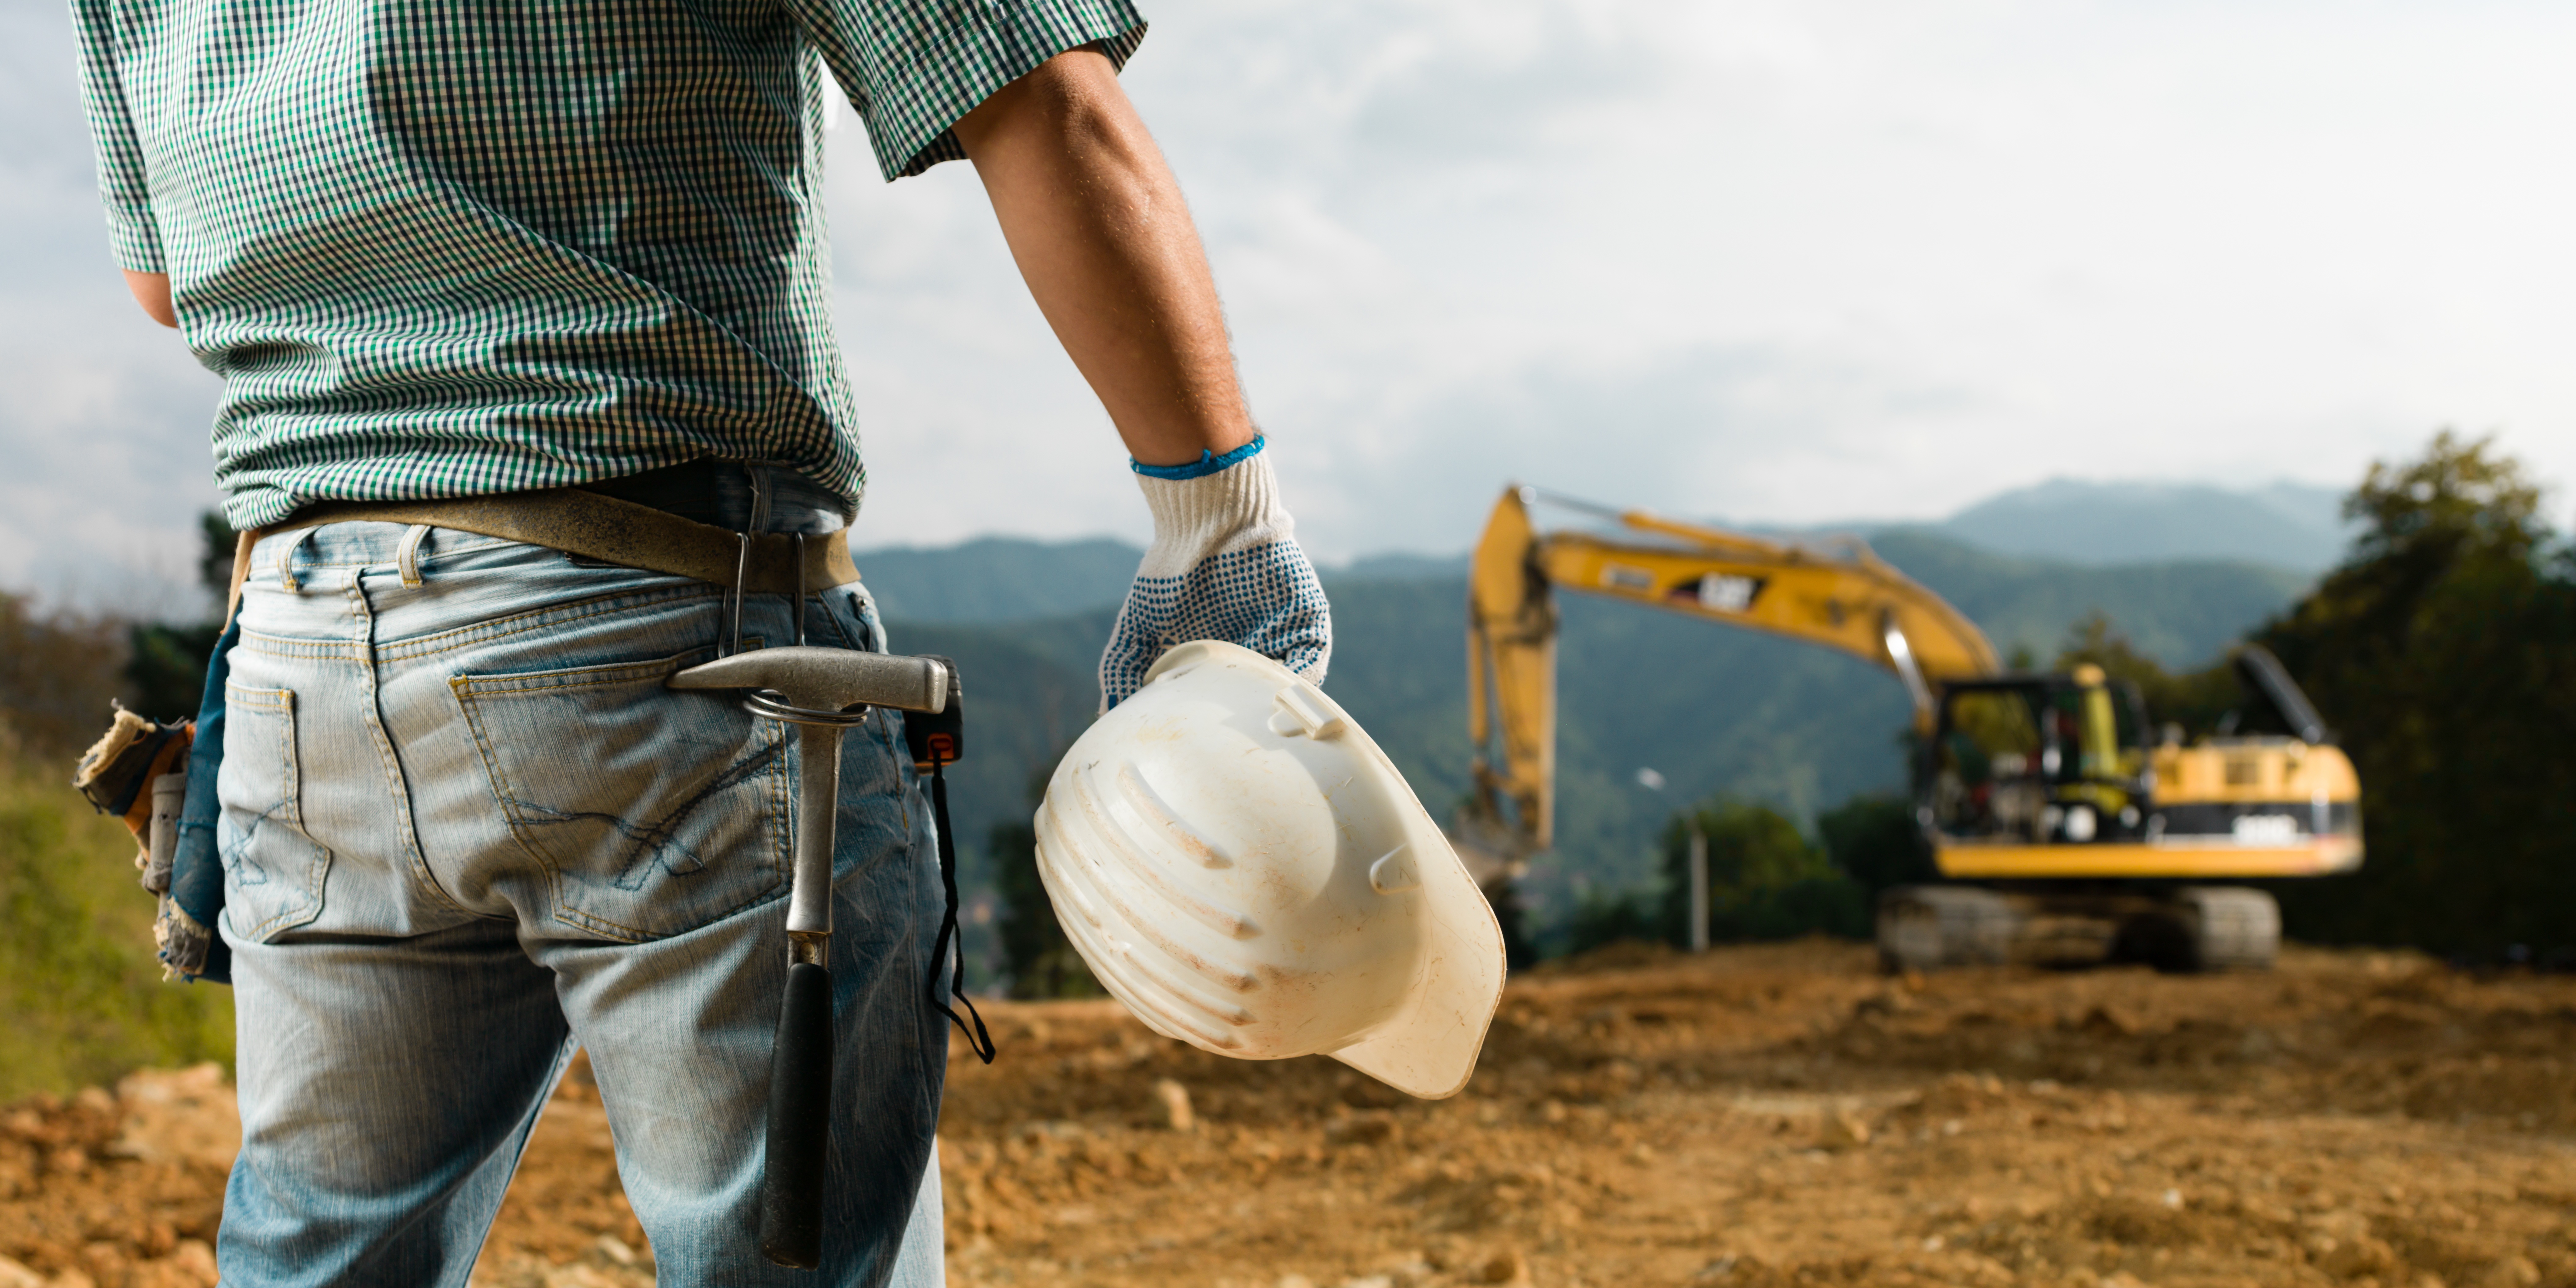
465 829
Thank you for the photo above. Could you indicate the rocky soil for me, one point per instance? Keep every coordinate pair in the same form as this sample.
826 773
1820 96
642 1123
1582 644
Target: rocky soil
1757 1116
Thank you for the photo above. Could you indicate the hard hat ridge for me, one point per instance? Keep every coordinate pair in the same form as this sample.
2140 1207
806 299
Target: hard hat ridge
1196 951
1071 851
1243 868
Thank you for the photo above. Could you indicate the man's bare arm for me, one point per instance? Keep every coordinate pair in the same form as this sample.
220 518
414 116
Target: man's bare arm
1097 225
152 291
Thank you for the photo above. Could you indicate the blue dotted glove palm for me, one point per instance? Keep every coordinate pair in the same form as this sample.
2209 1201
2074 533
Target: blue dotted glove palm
1225 565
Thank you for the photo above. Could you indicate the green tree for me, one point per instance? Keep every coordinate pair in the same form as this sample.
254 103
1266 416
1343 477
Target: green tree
1520 950
1876 840
2443 650
1764 880
1602 917
2198 702
165 670
1039 959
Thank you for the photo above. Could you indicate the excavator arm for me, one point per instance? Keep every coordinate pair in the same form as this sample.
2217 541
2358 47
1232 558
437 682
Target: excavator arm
1849 600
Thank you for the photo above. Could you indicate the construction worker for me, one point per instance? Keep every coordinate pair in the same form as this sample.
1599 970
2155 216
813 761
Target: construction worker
476 274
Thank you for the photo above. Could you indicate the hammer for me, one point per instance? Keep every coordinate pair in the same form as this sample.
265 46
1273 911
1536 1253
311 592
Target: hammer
822 691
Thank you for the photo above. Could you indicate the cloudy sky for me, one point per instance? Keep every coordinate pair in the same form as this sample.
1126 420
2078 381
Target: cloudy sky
1780 262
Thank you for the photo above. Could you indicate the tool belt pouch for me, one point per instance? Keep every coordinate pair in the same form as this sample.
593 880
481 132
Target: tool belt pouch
185 932
160 779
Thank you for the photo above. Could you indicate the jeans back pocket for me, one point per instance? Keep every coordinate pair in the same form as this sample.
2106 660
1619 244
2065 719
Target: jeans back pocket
273 870
652 811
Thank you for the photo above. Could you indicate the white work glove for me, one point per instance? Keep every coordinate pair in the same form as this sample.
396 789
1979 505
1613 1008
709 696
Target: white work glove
1225 565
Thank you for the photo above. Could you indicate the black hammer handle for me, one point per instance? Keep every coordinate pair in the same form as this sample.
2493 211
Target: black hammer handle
800 1122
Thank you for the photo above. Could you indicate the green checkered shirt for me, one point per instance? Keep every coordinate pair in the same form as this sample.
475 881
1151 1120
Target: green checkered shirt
451 247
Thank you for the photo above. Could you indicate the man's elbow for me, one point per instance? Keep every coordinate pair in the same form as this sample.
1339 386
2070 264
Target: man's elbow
1070 99
152 291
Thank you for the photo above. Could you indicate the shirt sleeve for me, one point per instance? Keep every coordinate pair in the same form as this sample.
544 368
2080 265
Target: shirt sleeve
132 232
913 67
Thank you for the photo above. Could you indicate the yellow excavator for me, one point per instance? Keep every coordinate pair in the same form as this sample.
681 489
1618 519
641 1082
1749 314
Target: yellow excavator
2068 829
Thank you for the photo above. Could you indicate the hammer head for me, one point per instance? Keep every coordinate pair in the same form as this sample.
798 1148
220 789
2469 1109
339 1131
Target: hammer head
828 679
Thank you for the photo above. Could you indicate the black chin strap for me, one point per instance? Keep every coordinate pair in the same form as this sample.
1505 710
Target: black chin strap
941 954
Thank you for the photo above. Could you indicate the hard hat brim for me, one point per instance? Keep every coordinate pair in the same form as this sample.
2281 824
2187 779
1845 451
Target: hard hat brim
1428 1048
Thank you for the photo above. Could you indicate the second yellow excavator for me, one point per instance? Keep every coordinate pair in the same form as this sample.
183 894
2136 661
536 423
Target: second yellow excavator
2068 829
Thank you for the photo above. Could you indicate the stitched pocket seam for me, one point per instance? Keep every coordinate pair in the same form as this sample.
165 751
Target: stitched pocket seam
290 806
473 692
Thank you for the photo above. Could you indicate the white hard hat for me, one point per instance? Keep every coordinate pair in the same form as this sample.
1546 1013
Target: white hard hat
1244 869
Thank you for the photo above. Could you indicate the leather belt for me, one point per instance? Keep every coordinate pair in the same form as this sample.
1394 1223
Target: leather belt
604 528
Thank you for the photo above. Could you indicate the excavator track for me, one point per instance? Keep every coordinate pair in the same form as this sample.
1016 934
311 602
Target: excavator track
2194 929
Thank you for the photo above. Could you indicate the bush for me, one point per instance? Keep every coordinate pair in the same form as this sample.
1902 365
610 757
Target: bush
1765 882
1520 946
1039 959
1876 840
1827 903
81 996
57 674
1601 918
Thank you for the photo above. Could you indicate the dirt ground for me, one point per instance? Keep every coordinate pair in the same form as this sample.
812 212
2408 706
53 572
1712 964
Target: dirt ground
1756 1116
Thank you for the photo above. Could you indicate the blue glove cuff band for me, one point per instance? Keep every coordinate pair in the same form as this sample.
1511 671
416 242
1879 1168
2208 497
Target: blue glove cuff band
1207 463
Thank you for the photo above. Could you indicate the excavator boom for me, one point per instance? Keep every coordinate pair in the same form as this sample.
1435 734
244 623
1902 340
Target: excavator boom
1849 600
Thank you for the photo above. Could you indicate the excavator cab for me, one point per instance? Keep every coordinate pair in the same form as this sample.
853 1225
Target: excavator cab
2040 760
2049 777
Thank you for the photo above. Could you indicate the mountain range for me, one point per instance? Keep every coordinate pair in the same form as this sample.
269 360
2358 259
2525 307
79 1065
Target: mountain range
2285 526
2288 525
